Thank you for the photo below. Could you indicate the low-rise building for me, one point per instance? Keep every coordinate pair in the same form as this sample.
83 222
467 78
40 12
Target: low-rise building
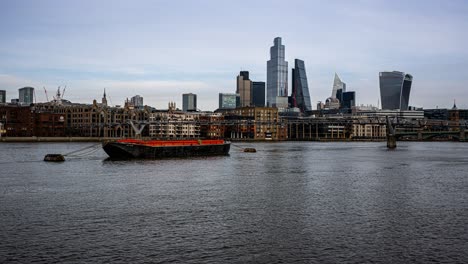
369 130
259 123
171 124
17 120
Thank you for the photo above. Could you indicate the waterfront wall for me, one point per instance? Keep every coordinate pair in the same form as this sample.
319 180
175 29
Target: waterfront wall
56 139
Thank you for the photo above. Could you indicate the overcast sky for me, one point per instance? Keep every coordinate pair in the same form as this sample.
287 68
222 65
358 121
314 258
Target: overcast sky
161 49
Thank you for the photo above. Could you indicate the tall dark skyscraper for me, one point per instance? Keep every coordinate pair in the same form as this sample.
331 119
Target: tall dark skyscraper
2 96
245 75
395 89
258 94
300 89
348 100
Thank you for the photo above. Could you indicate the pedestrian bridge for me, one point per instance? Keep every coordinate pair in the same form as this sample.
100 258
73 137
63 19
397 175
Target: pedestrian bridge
432 135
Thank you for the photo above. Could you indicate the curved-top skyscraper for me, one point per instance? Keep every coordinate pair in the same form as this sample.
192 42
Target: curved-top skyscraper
277 76
395 89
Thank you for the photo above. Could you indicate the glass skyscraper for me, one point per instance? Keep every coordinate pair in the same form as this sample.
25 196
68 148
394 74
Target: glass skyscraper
137 101
26 95
277 76
228 101
2 96
348 100
189 102
258 94
300 88
395 89
337 85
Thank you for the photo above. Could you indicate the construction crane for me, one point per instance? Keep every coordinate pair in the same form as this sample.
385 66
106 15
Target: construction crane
47 96
57 94
63 91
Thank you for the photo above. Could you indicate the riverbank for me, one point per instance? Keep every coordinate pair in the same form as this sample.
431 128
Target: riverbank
103 139
56 139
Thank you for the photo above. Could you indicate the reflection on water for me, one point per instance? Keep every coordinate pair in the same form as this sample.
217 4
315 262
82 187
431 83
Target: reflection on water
289 202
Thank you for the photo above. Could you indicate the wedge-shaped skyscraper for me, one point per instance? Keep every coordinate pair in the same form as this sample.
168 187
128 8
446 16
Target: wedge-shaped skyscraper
300 88
277 76
395 89
337 85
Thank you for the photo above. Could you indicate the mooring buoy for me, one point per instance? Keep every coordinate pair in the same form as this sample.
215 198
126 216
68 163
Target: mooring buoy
54 157
251 150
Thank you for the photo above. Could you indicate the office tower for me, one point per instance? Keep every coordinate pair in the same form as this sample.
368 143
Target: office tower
300 88
137 101
245 74
395 89
339 95
26 95
337 84
258 94
277 76
2 96
348 100
189 102
227 100
244 88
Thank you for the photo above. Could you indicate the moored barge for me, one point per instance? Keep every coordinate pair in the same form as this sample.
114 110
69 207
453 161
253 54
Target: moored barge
158 149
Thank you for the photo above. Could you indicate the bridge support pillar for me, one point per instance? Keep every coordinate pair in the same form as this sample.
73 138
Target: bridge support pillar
391 141
462 135
420 137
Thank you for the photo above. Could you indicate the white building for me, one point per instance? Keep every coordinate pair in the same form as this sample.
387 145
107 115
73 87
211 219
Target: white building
173 125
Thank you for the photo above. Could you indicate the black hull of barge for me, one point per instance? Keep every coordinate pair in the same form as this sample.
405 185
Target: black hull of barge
117 150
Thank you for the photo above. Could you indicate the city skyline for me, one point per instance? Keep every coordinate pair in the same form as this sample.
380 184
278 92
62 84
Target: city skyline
148 48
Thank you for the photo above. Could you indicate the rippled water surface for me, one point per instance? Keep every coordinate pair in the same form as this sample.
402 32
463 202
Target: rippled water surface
289 202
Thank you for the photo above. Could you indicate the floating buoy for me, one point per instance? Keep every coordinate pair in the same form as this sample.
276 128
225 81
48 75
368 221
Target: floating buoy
54 157
251 150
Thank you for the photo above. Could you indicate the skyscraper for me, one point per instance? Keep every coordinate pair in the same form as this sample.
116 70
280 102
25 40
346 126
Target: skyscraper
337 84
277 76
227 101
395 89
348 100
2 96
137 101
26 95
258 94
244 88
300 88
189 102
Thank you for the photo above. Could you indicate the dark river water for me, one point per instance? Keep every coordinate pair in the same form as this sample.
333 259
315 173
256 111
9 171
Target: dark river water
288 203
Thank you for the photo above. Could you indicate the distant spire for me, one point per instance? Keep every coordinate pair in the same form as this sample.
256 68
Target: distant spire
104 99
454 105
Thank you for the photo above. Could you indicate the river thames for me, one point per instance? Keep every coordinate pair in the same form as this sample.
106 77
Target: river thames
291 202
